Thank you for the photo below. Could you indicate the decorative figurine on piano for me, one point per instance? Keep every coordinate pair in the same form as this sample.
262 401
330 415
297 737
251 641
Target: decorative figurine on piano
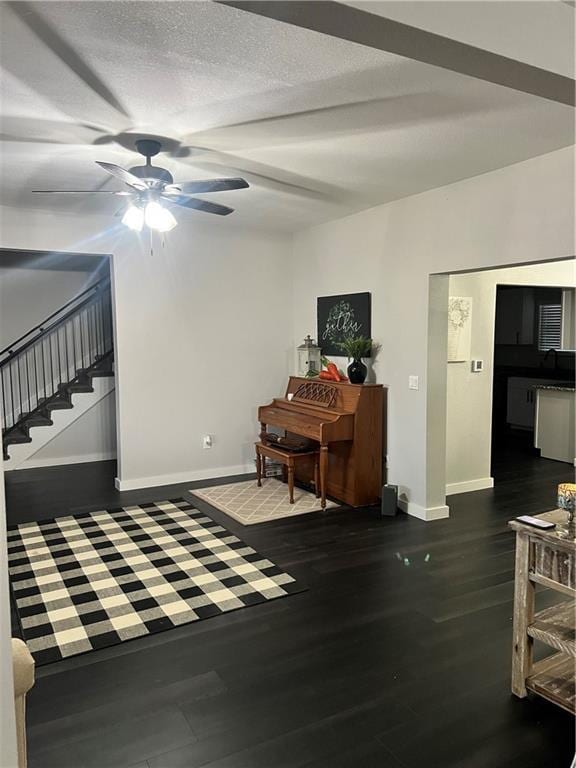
309 358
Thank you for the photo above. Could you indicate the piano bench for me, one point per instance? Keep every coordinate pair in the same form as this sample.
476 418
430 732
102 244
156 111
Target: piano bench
288 459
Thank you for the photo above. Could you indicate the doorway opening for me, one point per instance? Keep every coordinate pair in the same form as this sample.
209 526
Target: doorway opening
56 363
510 336
533 365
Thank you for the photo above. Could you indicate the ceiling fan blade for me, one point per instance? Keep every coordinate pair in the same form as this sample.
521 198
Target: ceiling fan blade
198 205
123 175
206 185
80 192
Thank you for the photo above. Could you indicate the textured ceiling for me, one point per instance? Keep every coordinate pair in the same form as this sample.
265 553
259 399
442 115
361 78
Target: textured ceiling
320 127
537 32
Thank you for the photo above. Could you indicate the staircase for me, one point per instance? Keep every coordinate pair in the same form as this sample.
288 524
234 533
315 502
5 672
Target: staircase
61 357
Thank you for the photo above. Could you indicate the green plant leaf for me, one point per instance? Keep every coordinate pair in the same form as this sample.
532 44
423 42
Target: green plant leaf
356 347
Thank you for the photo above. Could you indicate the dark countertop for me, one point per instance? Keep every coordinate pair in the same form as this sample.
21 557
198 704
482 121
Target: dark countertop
555 387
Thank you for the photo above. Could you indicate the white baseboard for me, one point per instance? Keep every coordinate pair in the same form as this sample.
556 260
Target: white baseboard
424 513
57 462
480 484
182 477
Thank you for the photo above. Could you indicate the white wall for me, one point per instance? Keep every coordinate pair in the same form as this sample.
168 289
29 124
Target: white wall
517 214
202 336
92 437
469 395
203 328
29 296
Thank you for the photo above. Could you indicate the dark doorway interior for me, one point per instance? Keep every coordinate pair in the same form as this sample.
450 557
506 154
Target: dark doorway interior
527 351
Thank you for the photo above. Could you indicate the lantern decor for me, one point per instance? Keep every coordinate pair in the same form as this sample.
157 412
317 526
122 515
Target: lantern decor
309 358
567 501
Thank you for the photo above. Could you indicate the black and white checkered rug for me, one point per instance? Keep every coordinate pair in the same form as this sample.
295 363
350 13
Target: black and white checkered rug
100 578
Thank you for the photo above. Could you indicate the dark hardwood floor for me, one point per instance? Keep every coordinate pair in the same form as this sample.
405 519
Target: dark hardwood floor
397 655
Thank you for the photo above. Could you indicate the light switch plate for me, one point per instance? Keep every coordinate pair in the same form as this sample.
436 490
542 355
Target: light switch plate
413 382
477 366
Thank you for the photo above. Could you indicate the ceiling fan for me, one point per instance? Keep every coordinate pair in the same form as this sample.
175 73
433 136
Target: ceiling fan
151 186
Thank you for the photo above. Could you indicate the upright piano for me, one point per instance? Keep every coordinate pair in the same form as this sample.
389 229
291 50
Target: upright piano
347 422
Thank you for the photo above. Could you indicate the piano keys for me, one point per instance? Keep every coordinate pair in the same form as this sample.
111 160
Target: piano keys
347 422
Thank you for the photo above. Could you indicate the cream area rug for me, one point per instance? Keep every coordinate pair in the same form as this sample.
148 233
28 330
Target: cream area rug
249 504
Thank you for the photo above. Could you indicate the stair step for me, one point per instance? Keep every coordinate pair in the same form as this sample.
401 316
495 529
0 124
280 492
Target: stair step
16 437
57 403
104 370
38 420
101 372
77 386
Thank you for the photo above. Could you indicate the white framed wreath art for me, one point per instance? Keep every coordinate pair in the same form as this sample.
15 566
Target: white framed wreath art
459 328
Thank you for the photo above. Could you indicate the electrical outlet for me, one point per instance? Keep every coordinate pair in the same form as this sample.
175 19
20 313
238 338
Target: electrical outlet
413 382
477 366
207 442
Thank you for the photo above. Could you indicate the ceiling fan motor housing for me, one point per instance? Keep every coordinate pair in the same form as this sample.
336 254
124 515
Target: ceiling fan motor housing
149 148
152 173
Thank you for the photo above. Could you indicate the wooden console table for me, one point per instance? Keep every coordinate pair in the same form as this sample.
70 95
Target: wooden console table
542 557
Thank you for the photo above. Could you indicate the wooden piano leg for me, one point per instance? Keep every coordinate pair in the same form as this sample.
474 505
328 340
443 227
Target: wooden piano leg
291 480
258 468
316 477
323 472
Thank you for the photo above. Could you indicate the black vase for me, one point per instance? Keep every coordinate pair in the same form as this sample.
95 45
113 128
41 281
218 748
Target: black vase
357 372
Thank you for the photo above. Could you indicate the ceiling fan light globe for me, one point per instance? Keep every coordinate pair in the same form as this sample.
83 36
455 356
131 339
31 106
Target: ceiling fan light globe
159 218
134 218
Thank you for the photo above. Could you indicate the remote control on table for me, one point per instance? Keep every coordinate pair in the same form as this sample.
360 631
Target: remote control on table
544 525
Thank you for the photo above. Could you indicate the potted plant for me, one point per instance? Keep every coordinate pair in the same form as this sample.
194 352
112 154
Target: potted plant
357 348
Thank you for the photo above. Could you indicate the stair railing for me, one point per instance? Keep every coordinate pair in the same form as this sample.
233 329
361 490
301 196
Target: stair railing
72 341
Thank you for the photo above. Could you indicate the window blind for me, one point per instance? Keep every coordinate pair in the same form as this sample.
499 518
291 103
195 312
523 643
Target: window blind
550 327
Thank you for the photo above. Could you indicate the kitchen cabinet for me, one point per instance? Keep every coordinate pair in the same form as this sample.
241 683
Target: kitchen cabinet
521 401
515 308
554 427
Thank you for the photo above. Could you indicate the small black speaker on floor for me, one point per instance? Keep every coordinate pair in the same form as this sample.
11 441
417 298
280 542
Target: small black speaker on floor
389 500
